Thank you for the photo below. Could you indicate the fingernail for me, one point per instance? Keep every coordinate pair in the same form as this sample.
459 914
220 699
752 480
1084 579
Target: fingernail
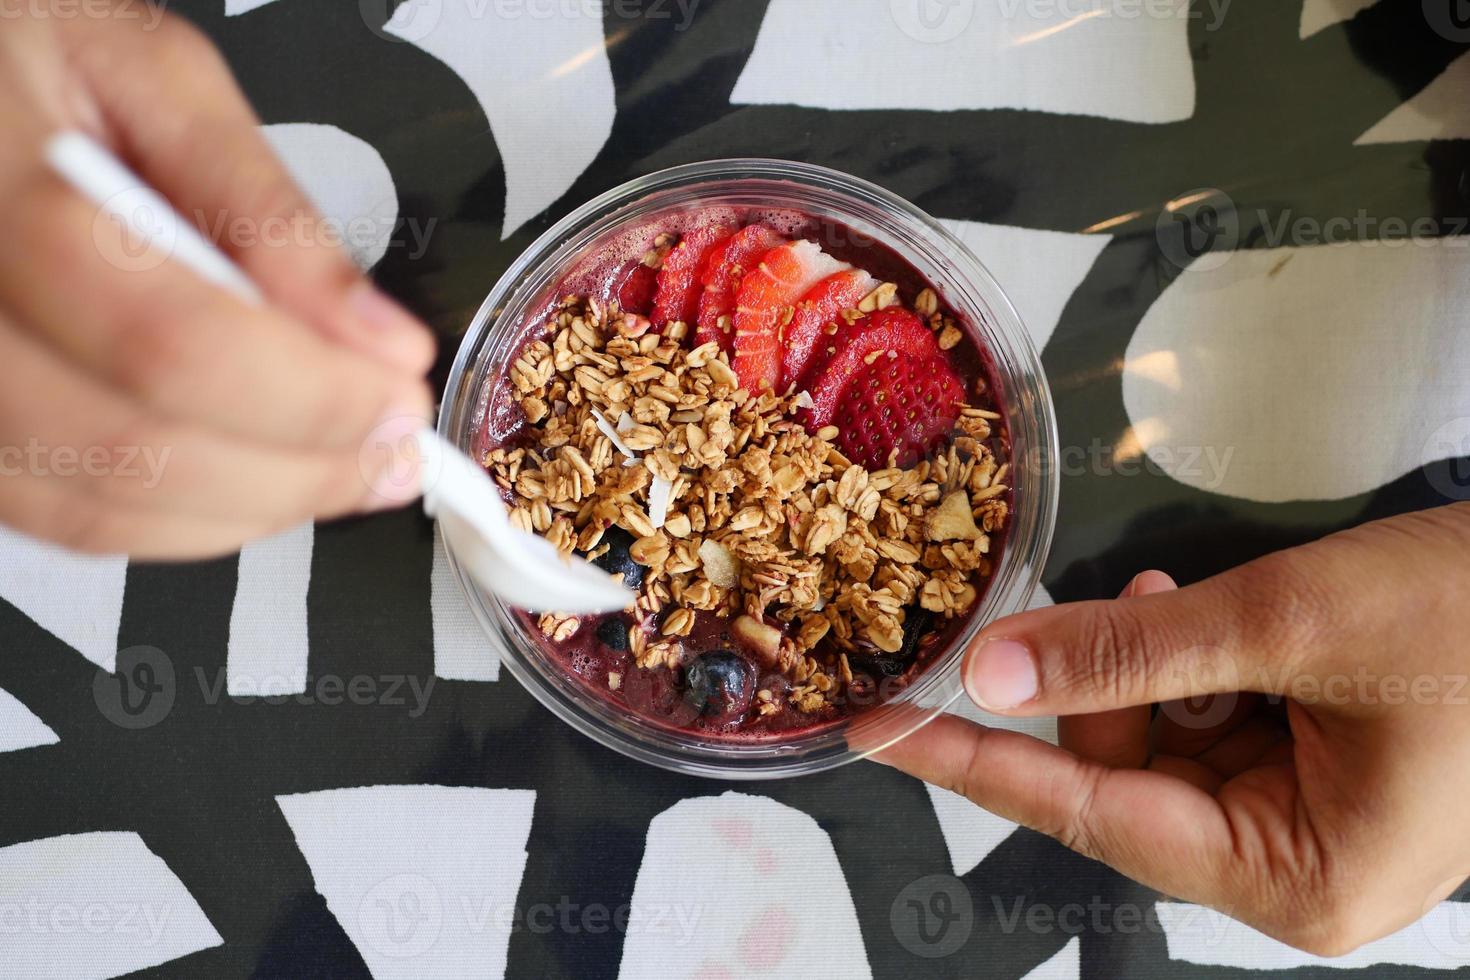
398 334
389 460
1001 674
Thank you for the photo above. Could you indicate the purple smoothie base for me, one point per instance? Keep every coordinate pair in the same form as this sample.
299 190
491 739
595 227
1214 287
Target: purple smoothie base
657 696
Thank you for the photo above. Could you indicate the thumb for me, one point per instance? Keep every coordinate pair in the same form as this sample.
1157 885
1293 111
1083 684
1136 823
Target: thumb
1209 638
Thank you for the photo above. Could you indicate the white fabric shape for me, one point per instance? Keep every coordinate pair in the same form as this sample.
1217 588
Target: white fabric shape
541 75
348 182
715 898
1304 373
76 598
1065 965
268 631
423 879
1320 14
971 832
20 728
462 650
1039 270
975 55
96 905
1441 111
234 8
1203 936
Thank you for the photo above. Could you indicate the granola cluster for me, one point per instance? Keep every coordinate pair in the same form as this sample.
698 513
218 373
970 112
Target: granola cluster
736 509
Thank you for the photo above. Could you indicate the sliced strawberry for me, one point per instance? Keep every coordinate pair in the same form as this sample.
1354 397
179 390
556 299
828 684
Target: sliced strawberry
844 355
724 267
899 408
766 303
679 285
821 306
635 292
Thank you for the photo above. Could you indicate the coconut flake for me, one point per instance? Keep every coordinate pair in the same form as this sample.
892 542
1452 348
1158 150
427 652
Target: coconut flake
625 422
803 400
720 564
659 493
606 429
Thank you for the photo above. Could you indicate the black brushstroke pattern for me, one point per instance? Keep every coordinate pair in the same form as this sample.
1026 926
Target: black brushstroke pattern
1274 126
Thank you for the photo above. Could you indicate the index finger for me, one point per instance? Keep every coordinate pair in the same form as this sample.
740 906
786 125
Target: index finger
1152 827
188 129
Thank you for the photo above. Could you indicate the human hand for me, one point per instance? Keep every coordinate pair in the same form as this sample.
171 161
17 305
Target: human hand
1310 756
141 408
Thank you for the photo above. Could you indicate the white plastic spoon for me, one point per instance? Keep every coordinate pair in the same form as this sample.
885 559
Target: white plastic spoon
519 567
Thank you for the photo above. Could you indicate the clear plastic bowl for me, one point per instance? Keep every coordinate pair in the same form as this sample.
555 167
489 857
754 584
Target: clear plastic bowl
966 287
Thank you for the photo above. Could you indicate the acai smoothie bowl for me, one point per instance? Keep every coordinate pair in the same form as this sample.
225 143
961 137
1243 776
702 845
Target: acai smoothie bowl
805 426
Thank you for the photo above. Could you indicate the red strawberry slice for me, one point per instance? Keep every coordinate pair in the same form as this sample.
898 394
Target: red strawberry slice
635 292
844 355
822 305
900 408
679 285
724 267
766 303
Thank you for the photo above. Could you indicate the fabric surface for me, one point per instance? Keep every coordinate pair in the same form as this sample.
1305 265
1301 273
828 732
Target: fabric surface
1236 232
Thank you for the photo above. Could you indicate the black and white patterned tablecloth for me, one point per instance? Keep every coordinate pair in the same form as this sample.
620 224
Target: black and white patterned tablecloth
1235 229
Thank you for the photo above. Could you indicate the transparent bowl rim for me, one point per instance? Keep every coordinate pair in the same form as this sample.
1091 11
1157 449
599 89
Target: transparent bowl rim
1036 495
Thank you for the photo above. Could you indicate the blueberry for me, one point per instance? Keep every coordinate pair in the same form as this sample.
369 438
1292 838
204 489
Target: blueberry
915 625
613 632
616 559
719 684
875 665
